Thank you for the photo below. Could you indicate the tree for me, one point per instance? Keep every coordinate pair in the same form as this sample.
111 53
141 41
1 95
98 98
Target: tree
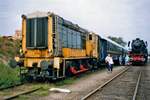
119 40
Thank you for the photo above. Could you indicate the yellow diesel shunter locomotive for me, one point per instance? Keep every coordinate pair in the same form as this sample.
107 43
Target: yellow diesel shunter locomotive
53 47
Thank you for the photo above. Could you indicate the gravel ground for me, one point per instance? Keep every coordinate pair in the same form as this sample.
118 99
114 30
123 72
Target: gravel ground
122 88
83 86
144 87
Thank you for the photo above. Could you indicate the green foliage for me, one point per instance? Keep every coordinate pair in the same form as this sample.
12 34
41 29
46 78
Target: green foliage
65 81
119 40
8 76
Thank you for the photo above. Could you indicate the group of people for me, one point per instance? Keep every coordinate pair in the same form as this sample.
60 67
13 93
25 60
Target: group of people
109 62
124 60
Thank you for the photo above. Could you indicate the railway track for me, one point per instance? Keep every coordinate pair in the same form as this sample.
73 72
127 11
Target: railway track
21 93
15 91
123 86
136 88
11 86
143 92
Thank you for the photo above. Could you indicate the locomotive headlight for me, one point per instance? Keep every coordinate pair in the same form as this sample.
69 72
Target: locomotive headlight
21 52
49 51
17 58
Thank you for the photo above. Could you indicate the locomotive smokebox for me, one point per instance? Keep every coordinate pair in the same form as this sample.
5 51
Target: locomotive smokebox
138 46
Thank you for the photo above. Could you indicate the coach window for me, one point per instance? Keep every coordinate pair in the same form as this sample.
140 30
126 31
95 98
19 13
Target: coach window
112 47
108 46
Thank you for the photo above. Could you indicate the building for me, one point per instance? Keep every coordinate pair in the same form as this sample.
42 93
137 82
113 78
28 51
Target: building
17 35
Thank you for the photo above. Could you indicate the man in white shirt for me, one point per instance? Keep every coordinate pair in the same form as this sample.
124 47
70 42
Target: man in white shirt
109 62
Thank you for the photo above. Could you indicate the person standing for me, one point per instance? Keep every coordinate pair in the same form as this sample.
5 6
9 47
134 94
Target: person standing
127 60
120 59
109 62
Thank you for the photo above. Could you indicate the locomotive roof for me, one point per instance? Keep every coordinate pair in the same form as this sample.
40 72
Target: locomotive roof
113 42
39 14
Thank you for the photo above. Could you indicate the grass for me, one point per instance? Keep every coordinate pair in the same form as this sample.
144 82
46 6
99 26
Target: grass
8 50
44 90
66 81
8 76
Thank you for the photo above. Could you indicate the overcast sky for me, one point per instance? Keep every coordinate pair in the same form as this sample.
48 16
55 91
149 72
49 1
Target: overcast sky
125 18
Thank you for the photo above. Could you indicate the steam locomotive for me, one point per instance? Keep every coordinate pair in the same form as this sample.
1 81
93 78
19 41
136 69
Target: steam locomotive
138 53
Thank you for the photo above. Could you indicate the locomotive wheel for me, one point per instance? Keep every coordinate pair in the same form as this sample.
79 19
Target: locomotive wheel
29 78
67 72
22 78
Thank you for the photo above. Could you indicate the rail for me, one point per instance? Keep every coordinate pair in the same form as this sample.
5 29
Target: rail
101 86
11 86
136 88
21 93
